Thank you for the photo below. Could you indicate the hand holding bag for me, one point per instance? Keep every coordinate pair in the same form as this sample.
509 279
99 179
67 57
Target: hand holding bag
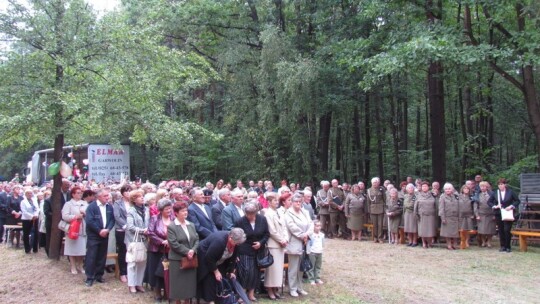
264 258
186 263
506 215
224 292
64 226
136 251
74 229
305 262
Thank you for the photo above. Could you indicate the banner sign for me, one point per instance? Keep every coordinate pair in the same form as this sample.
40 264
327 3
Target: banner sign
105 163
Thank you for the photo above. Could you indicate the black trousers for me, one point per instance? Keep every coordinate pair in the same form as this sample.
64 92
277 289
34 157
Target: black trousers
96 256
2 223
121 250
30 235
505 235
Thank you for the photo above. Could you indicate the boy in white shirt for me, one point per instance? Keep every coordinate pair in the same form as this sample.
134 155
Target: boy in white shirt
315 250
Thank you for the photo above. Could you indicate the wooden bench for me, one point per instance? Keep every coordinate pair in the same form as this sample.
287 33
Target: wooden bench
523 235
370 227
9 229
114 256
463 236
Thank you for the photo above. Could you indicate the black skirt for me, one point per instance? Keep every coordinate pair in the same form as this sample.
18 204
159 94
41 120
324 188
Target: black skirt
152 263
248 272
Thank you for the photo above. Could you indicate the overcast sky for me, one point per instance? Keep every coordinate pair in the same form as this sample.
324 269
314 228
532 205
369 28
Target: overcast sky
100 5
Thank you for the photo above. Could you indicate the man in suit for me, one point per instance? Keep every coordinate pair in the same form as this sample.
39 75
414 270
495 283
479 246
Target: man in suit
99 222
217 209
200 215
233 212
3 211
47 211
508 200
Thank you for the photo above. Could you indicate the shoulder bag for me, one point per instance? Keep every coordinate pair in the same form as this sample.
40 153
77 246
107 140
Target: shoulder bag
506 215
225 293
136 251
186 263
305 262
64 226
264 258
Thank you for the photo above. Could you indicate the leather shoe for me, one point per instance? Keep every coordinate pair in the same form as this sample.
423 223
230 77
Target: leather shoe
100 280
89 283
502 249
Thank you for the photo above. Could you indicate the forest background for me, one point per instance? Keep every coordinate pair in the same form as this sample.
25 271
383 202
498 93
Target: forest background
302 90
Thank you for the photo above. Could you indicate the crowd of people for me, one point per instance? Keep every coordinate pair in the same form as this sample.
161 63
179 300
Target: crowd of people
208 233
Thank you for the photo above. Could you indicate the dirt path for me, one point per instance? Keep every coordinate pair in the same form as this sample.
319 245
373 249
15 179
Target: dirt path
354 272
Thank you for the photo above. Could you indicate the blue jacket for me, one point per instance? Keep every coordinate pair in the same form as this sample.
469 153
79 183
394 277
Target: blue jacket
229 216
203 225
94 222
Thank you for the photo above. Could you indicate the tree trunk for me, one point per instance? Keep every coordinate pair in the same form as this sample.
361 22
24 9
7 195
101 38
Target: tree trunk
378 125
367 148
357 144
339 150
324 141
56 201
436 102
418 142
394 124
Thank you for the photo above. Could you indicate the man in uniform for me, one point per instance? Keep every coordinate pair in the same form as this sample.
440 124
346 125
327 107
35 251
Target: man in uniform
323 204
337 210
376 199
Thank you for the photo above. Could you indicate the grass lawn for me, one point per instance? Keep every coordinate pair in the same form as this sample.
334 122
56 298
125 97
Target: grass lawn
353 272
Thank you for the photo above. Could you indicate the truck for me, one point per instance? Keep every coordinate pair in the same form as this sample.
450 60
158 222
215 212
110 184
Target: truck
98 162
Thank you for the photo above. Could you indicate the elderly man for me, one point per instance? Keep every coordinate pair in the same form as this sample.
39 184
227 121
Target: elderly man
233 212
323 205
306 204
99 222
376 199
176 195
240 186
336 199
217 209
200 215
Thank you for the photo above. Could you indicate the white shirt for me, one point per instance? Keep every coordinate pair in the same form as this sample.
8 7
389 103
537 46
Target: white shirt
177 222
103 210
240 211
29 209
202 208
316 242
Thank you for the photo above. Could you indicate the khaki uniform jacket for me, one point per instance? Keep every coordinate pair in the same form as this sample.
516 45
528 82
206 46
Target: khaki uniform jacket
376 201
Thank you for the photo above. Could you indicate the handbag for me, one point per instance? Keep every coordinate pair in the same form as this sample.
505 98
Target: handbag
136 251
305 262
160 269
506 216
224 292
74 229
64 226
264 258
186 263
336 200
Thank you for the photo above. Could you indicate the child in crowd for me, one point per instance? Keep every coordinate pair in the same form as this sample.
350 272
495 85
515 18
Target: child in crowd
315 250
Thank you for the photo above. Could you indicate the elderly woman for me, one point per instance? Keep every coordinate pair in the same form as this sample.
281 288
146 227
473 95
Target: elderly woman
158 245
73 211
449 213
426 213
506 199
150 200
466 214
136 224
394 209
29 217
273 276
183 241
217 257
256 230
484 217
299 227
410 223
285 202
354 211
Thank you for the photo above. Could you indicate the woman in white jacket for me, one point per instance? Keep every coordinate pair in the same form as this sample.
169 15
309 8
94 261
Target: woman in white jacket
74 212
299 227
29 217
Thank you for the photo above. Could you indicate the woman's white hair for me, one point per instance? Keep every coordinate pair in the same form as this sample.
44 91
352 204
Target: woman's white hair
448 186
375 179
325 182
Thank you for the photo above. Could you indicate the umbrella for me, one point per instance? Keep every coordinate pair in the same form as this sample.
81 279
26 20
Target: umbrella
240 291
165 263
